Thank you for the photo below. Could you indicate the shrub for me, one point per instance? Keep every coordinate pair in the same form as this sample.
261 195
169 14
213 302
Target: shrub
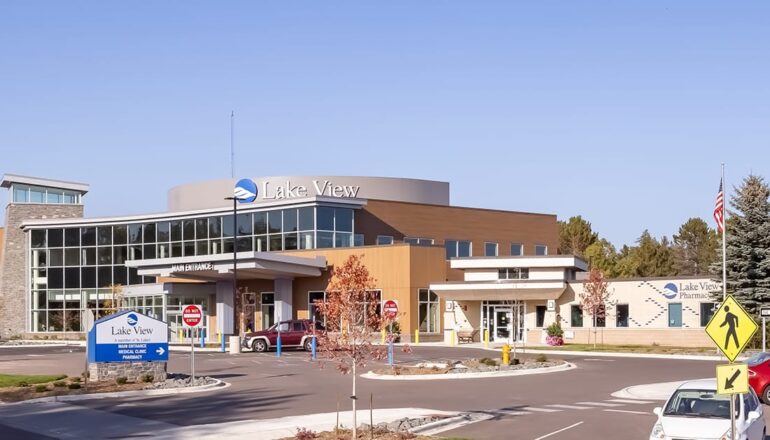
74 386
60 384
488 361
23 383
554 341
305 434
76 379
121 380
515 362
147 378
541 358
555 330
41 388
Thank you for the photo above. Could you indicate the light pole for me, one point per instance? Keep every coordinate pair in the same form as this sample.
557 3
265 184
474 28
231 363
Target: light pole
235 261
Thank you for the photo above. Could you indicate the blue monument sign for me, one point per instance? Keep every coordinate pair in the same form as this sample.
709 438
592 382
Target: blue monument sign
128 336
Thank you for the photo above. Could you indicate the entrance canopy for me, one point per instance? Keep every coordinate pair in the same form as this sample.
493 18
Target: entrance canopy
251 265
499 291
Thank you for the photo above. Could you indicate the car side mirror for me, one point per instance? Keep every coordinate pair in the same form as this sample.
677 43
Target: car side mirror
657 411
753 415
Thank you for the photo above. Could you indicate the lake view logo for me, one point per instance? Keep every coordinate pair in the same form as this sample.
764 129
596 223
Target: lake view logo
245 191
132 319
670 290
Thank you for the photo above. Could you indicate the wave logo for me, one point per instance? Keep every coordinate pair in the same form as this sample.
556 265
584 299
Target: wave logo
132 319
670 291
245 191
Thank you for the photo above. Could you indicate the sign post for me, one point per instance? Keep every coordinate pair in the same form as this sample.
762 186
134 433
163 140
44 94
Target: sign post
731 328
764 312
390 309
192 317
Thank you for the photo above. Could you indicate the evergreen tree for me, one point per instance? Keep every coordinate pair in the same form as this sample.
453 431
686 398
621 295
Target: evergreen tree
603 256
748 245
695 247
575 235
649 258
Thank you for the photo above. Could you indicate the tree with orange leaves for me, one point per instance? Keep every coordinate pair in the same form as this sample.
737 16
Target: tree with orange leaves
594 297
351 318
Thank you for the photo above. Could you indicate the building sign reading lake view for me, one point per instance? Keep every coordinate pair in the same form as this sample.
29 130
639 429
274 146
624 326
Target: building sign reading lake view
128 336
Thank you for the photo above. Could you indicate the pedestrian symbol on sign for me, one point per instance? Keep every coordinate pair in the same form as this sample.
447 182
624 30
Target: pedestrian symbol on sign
731 321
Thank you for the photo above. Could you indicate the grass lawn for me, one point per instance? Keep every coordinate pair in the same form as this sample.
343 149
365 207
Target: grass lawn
633 348
14 380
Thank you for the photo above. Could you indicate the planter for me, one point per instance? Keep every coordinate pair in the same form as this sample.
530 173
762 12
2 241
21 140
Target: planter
554 340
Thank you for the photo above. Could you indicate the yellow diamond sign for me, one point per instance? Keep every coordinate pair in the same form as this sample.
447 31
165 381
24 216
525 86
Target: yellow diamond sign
732 379
731 328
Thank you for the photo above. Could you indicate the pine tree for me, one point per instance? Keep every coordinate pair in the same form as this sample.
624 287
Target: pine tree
748 245
695 247
575 235
602 255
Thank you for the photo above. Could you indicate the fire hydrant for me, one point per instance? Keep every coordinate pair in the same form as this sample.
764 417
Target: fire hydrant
506 354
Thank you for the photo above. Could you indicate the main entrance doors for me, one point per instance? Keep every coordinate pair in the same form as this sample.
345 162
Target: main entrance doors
504 320
502 323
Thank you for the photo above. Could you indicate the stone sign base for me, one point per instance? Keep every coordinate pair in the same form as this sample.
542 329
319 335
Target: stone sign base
133 371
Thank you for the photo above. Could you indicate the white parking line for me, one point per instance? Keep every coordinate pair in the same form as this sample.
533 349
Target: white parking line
629 412
600 404
638 402
569 406
510 412
560 430
536 409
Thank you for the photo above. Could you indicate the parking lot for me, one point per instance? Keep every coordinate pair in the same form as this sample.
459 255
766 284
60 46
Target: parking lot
265 386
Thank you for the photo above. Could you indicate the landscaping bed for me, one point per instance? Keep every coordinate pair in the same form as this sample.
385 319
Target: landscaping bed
33 387
395 430
627 348
482 365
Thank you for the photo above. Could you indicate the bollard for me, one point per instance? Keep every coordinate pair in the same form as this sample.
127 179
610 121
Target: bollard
222 341
203 338
506 354
486 338
278 346
382 337
313 348
180 334
454 337
390 352
417 337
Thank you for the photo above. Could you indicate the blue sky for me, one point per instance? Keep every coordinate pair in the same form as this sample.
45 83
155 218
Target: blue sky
619 111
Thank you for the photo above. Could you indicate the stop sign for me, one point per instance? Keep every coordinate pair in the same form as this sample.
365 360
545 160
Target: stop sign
192 316
390 308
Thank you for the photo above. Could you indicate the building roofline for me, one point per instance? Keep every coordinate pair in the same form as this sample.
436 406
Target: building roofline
9 179
541 214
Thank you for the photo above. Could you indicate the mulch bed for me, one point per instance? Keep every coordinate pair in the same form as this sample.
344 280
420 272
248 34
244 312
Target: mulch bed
363 434
16 394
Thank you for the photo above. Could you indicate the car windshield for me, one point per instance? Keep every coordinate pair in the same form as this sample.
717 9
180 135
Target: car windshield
757 359
698 403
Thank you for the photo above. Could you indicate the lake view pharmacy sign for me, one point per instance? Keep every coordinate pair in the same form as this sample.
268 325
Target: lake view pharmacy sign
128 336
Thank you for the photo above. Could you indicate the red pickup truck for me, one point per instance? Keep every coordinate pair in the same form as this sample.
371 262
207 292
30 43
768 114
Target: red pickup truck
295 333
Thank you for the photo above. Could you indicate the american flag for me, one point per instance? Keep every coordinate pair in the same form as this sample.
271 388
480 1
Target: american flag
719 209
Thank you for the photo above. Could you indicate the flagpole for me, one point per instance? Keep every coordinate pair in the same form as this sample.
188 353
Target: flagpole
724 235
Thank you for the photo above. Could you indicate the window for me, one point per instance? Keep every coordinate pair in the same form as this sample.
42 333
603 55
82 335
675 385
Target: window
428 311
541 249
325 218
298 326
601 315
268 309
312 299
576 316
707 310
20 194
283 327
675 314
513 273
540 316
419 241
621 315
490 249
384 239
457 248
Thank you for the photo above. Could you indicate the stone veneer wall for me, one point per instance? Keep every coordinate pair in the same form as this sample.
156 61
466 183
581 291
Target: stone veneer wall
13 265
133 371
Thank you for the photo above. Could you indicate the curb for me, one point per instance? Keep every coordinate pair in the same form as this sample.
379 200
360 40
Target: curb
449 423
481 375
219 384
684 357
53 344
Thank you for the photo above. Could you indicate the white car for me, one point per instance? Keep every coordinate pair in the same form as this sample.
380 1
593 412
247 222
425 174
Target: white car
696 411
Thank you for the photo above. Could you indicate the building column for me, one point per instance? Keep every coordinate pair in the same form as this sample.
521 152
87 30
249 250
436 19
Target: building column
283 299
225 310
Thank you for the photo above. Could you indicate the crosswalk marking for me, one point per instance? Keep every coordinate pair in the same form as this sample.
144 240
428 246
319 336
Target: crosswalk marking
638 402
568 406
510 412
536 409
600 404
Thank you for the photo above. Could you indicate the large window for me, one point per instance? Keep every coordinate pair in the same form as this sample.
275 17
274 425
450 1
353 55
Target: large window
621 315
513 273
267 307
428 311
707 310
540 316
384 239
421 241
541 249
576 316
39 194
312 299
457 248
490 249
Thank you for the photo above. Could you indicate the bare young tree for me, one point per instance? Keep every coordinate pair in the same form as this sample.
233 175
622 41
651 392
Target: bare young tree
594 297
350 312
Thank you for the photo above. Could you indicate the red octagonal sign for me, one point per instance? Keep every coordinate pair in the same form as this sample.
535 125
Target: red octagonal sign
192 316
390 308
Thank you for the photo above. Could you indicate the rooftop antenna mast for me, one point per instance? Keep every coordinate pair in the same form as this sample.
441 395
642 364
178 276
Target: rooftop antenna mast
232 145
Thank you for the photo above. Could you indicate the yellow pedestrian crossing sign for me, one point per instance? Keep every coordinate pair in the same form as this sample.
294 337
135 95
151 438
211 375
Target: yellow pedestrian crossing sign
731 328
732 379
